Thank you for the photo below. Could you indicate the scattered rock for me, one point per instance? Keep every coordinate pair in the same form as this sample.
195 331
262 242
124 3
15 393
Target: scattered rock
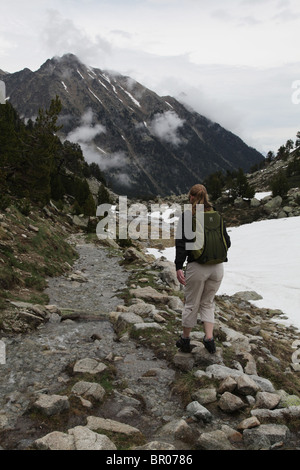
267 400
248 423
133 254
230 403
89 390
89 366
248 295
156 445
94 423
246 385
55 441
199 411
214 440
52 404
265 435
149 294
85 439
184 361
147 326
178 429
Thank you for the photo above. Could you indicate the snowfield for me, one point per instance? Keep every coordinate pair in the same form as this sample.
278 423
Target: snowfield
264 257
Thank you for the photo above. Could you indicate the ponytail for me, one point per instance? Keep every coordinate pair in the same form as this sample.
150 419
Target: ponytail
200 197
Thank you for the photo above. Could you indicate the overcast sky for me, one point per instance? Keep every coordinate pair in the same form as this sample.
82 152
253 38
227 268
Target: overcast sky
234 61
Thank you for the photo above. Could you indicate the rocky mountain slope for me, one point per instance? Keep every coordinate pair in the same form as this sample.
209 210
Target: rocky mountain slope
144 143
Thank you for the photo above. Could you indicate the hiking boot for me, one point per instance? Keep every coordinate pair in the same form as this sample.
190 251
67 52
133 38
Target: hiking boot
184 344
210 345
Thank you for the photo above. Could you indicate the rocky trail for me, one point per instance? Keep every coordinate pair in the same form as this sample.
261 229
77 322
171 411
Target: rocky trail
37 362
97 375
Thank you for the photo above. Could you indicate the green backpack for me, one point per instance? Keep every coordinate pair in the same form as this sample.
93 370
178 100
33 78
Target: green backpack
214 249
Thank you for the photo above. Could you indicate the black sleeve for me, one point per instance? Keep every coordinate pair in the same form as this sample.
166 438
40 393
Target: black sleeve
180 243
227 237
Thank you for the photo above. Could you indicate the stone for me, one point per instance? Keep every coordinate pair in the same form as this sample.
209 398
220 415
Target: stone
264 384
205 395
89 389
203 358
86 439
150 294
79 277
267 400
246 385
55 441
159 318
3 421
52 404
255 202
33 228
168 273
175 303
214 440
289 400
124 319
288 414
220 372
156 445
273 205
250 367
234 336
184 361
232 434
230 403
265 435
227 385
248 423
81 222
127 413
248 295
178 429
94 423
142 309
89 366
147 326
132 254
239 202
198 411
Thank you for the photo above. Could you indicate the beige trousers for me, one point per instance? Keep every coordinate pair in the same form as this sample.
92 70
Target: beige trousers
202 283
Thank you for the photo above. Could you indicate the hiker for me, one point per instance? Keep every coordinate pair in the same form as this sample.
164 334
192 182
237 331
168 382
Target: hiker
203 274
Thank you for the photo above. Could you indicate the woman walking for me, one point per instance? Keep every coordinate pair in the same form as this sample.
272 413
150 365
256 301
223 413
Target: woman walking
203 276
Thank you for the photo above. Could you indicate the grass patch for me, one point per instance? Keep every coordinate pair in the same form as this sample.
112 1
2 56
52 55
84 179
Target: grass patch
186 384
27 257
123 441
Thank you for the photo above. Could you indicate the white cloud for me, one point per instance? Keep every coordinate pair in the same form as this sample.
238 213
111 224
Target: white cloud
114 160
86 132
84 135
165 127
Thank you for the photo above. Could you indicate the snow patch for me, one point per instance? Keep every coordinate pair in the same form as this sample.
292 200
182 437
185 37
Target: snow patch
80 74
101 83
101 150
95 96
264 257
65 87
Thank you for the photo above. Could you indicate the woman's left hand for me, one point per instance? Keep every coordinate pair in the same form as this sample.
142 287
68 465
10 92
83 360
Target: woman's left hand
180 277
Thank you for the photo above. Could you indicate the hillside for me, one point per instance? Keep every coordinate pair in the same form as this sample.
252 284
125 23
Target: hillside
145 144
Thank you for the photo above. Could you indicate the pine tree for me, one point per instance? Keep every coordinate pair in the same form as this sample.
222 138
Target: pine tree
279 184
89 206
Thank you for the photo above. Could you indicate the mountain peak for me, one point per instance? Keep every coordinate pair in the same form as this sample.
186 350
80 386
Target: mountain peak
144 143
